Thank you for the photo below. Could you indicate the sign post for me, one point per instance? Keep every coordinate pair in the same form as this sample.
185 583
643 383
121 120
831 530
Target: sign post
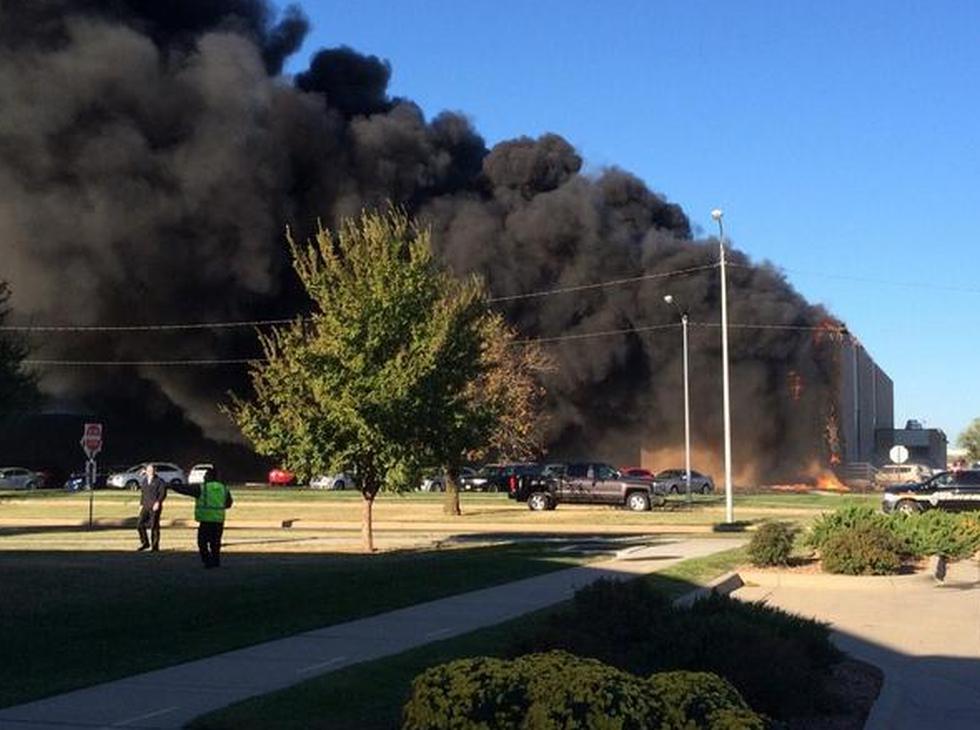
92 444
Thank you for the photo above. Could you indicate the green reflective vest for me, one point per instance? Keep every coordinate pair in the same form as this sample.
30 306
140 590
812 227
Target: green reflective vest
210 504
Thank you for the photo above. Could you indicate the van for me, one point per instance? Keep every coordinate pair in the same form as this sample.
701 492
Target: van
893 474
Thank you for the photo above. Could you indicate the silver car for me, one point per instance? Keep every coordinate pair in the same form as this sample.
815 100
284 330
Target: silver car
437 482
133 477
674 481
16 477
342 480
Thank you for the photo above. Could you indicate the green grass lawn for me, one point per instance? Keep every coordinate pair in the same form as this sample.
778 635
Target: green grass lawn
370 696
69 620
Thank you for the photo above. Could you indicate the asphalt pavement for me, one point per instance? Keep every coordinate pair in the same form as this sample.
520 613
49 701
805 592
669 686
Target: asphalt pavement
169 698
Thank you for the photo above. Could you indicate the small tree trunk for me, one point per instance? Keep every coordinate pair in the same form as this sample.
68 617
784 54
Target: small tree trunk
367 524
450 504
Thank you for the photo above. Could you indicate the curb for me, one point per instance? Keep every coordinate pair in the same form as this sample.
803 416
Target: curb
722 585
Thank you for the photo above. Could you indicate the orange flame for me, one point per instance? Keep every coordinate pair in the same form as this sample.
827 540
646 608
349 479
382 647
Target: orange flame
828 482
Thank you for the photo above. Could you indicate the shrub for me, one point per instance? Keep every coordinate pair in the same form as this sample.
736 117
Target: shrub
813 636
772 544
827 525
559 690
740 642
869 549
955 536
702 699
773 673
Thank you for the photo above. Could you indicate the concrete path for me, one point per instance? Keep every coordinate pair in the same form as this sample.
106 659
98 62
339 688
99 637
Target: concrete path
925 638
168 698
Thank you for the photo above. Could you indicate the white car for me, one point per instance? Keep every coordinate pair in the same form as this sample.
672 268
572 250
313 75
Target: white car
437 482
197 472
15 477
895 474
343 480
132 477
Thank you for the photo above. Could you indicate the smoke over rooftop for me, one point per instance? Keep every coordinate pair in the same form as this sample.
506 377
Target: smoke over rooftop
150 158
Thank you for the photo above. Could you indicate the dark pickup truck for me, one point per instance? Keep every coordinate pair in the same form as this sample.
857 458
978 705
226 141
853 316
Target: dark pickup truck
585 483
955 491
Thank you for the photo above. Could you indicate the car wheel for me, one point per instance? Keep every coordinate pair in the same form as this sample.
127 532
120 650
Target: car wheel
908 507
132 485
539 502
637 502
31 485
674 489
175 482
705 489
437 487
340 484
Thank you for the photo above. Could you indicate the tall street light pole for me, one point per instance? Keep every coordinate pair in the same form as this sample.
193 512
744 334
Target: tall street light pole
687 398
729 503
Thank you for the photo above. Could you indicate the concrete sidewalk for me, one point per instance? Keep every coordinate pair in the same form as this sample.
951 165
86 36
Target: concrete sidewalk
168 698
925 637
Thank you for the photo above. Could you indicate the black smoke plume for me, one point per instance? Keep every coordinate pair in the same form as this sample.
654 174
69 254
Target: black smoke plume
150 157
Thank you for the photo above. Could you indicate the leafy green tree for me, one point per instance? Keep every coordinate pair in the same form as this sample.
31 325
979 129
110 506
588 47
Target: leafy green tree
379 376
970 440
17 384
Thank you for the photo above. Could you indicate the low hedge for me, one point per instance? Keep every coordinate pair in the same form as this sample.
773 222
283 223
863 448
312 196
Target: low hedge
856 540
862 550
557 690
772 544
741 642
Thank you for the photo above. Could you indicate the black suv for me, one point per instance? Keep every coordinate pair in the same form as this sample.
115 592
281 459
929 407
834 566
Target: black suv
957 491
497 477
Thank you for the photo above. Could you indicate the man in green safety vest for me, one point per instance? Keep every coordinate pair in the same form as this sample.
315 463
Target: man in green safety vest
212 499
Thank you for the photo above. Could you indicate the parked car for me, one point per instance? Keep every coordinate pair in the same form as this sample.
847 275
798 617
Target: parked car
197 472
497 477
76 480
955 491
674 481
586 483
342 480
892 474
437 482
637 472
281 478
17 477
131 477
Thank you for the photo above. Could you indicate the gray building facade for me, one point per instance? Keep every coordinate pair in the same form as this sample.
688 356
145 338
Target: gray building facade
865 404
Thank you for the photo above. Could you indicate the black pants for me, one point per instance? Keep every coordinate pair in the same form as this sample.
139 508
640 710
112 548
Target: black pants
209 543
152 519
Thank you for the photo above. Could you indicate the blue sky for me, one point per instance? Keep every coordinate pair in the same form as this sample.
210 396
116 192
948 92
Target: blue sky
841 139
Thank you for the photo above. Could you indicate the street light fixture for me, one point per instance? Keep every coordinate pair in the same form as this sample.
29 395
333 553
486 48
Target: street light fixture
717 214
669 298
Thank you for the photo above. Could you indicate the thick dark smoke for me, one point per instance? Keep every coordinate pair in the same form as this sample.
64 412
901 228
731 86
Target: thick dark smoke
150 158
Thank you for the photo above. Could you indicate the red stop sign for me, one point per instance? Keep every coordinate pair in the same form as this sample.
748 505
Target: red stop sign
92 439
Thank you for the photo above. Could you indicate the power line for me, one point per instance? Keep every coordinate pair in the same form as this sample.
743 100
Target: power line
26 328
869 280
137 363
602 284
536 340
604 333
142 327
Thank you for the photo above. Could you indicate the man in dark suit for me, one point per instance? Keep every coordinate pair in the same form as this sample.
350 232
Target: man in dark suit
153 492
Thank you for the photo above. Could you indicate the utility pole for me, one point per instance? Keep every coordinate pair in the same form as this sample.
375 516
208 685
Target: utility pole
726 393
